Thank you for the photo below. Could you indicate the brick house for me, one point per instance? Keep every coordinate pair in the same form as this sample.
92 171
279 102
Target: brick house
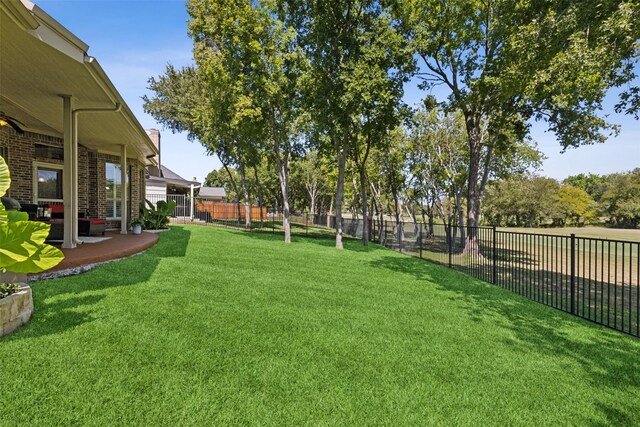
71 130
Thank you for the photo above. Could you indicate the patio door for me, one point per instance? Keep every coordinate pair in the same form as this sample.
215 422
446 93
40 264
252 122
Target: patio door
114 188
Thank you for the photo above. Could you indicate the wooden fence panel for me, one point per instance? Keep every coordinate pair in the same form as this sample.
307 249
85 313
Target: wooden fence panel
222 210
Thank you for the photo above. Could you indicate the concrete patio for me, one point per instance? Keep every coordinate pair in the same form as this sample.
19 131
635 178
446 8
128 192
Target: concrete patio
116 246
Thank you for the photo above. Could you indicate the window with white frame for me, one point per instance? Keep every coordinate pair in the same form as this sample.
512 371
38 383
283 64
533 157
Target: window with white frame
114 189
47 182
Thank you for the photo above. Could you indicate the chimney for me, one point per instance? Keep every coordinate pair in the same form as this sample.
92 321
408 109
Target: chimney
154 135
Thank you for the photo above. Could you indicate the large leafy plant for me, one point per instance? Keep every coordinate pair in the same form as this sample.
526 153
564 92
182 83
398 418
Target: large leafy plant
22 247
156 217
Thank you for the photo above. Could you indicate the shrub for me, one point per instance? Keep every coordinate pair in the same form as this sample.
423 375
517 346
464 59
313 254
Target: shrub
156 217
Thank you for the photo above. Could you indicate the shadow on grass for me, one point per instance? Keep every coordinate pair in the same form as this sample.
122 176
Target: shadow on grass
62 304
609 358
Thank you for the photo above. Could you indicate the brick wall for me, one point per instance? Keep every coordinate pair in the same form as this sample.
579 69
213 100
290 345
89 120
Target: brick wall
21 154
91 172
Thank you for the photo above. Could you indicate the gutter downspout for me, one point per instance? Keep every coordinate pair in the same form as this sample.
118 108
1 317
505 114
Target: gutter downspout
74 167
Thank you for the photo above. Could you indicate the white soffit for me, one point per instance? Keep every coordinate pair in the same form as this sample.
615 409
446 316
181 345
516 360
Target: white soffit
39 64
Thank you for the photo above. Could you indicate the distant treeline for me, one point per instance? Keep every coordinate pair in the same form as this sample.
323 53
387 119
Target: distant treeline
532 201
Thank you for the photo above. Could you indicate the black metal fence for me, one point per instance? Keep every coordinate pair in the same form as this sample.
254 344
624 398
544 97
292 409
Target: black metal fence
593 278
596 279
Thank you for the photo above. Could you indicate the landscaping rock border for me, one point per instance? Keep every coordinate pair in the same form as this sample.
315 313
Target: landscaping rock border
160 230
15 310
74 271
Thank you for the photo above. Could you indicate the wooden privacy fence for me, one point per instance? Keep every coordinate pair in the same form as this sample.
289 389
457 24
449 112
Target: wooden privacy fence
222 210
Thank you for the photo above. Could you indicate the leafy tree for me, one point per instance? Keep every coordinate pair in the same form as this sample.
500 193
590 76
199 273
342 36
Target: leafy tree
509 201
593 184
311 172
181 102
573 203
506 62
527 201
437 161
393 174
621 199
352 87
220 178
248 52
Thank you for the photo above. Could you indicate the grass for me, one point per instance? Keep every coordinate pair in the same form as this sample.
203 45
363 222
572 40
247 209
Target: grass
625 234
219 327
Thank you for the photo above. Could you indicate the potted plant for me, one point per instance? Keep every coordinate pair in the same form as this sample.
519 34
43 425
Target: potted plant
136 226
23 251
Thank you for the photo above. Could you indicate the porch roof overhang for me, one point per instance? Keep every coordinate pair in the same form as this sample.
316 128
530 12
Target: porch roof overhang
40 61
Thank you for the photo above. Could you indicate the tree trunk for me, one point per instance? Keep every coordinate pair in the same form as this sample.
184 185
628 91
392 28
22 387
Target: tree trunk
375 193
282 161
259 187
365 214
416 229
370 226
312 208
431 222
362 169
283 176
458 201
472 122
245 193
342 160
399 232
235 187
312 190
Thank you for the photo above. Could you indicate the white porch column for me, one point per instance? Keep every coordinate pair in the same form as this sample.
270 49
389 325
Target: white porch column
68 193
74 181
123 189
191 216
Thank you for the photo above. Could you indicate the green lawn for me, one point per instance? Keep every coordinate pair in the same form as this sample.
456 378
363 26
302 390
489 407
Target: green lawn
219 327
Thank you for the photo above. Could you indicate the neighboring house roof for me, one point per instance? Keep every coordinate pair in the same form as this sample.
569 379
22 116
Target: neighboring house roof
41 60
212 192
170 177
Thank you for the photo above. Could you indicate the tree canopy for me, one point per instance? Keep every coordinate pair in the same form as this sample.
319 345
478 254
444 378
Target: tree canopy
303 104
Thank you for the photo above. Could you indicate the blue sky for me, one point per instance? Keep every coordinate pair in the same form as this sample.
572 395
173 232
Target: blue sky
135 39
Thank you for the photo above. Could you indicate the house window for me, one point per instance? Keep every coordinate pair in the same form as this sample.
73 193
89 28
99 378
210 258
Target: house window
114 190
48 183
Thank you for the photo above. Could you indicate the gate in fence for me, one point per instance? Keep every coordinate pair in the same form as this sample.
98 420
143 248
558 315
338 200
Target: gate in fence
183 203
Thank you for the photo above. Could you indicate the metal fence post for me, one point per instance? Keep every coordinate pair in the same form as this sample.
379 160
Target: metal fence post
450 242
495 257
420 241
573 273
